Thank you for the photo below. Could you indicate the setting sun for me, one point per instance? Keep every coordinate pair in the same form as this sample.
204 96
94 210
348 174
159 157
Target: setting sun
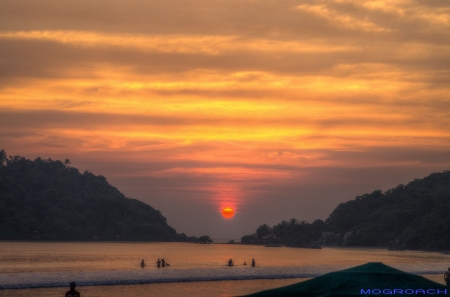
228 212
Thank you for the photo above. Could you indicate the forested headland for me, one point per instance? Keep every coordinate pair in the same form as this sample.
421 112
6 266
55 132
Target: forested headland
412 216
50 200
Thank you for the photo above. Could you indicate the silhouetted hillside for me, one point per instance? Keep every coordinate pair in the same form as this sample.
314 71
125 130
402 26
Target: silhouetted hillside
49 200
415 216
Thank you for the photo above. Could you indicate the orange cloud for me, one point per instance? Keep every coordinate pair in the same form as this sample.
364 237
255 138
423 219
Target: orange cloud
224 103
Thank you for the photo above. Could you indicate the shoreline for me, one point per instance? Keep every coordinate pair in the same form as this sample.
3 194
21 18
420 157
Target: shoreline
198 289
224 288
47 265
445 252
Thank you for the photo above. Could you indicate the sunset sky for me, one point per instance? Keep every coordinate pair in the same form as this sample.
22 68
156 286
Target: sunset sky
276 108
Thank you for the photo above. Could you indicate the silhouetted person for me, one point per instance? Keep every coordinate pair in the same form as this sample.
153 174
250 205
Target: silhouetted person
142 263
163 263
72 292
447 277
158 263
253 263
230 262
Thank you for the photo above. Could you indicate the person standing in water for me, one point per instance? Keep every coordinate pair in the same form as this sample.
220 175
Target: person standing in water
253 263
158 263
72 292
230 262
142 263
163 263
447 277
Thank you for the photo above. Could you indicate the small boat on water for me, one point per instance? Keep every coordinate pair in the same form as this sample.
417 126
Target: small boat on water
273 245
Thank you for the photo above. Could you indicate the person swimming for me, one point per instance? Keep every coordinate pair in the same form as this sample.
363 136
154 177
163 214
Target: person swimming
245 263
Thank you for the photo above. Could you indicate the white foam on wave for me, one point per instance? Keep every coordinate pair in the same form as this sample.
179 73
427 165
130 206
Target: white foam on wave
168 275
143 276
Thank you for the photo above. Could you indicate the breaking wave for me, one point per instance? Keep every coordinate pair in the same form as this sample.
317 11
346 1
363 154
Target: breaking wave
167 275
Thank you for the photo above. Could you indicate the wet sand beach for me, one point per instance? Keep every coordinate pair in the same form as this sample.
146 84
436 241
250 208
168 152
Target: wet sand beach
186 289
189 289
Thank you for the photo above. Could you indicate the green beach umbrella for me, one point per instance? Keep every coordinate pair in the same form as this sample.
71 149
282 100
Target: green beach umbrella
371 279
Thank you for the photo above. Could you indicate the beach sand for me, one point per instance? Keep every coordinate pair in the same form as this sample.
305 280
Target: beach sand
187 289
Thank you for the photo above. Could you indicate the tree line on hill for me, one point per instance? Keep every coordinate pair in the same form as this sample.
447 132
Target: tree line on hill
412 216
49 200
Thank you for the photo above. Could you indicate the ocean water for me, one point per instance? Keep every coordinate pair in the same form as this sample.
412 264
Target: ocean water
113 268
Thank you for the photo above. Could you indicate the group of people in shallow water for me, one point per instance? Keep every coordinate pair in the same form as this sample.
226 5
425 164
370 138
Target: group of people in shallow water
230 263
159 263
163 263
